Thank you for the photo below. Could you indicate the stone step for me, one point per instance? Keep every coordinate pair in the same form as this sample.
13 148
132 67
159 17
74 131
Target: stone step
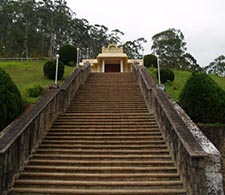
41 191
94 117
102 163
78 184
102 151
103 146
110 122
109 110
101 176
106 138
106 127
112 157
94 169
106 142
113 115
102 133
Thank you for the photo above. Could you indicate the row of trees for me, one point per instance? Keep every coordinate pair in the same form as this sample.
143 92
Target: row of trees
30 28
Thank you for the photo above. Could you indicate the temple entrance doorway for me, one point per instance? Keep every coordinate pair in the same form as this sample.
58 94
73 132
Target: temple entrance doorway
112 68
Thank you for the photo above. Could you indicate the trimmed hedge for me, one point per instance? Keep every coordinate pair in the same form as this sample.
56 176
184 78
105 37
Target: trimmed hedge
150 60
166 74
67 55
203 99
49 69
11 103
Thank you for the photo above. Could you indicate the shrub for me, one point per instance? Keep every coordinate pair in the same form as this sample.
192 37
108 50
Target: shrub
35 91
203 99
150 60
166 74
49 70
68 54
11 103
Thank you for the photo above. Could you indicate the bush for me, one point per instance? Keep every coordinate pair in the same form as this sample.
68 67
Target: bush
203 99
166 74
35 91
68 54
49 70
11 103
150 60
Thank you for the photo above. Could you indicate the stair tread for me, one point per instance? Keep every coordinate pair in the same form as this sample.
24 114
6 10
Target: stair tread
98 191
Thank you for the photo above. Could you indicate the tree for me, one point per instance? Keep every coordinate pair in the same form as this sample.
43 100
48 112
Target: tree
190 63
217 66
169 45
134 49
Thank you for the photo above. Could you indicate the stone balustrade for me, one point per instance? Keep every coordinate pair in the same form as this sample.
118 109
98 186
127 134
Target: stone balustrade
20 139
197 159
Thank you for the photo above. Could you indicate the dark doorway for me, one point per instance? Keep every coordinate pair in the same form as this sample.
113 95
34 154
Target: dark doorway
112 68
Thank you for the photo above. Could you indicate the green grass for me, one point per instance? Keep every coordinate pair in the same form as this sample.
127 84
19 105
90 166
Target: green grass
28 74
174 89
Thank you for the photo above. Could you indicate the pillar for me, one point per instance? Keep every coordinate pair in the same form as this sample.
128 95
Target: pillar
103 65
121 65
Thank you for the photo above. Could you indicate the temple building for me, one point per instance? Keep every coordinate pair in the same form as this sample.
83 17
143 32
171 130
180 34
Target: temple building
112 59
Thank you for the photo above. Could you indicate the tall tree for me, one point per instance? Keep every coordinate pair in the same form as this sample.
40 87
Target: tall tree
134 49
169 45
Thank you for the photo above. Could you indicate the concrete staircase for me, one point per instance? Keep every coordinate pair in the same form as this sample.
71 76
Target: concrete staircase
106 143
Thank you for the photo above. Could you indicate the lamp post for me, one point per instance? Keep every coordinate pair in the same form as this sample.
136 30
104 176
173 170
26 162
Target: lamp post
87 53
159 79
143 63
56 68
159 86
78 56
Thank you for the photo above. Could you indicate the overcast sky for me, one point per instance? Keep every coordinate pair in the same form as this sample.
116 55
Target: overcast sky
201 21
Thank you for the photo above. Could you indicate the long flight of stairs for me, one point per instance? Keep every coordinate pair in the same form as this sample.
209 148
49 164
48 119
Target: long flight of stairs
106 143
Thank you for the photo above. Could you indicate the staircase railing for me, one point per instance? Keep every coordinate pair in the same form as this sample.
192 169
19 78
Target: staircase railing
198 161
20 139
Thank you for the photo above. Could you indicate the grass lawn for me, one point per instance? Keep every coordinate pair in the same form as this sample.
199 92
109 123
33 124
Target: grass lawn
28 74
174 89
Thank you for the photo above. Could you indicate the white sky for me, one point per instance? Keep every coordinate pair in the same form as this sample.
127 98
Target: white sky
201 21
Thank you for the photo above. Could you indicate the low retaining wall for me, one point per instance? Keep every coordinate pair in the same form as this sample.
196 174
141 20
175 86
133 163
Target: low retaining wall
20 139
197 159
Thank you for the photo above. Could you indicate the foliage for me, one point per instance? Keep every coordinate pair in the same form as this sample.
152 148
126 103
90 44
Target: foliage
11 104
35 91
203 99
170 46
133 48
216 67
68 54
190 63
37 28
166 74
150 60
50 68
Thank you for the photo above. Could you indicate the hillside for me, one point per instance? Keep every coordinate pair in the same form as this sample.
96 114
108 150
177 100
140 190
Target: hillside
174 89
28 74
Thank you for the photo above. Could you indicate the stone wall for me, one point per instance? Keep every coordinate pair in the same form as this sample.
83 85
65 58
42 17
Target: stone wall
20 139
197 159
216 134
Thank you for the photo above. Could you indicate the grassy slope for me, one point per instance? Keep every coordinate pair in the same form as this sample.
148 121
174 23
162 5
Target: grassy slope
174 89
28 74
